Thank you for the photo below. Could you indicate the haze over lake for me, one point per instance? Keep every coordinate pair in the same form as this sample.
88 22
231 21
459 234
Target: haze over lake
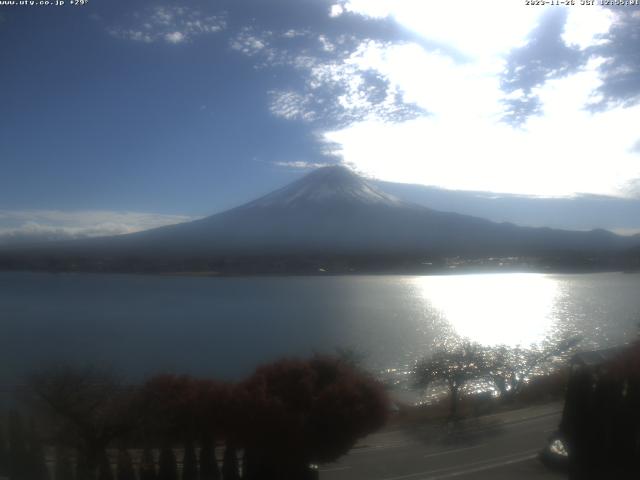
226 326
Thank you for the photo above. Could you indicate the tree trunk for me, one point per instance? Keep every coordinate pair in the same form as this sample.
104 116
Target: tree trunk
189 462
455 393
63 468
167 465
89 458
230 463
208 463
147 468
104 469
125 466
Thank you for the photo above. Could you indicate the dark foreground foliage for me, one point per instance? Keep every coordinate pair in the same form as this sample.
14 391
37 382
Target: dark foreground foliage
600 424
273 425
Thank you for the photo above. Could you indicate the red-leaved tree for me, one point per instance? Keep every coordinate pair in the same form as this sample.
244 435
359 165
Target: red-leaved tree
184 408
296 412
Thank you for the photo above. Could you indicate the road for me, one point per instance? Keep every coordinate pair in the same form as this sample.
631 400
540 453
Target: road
495 447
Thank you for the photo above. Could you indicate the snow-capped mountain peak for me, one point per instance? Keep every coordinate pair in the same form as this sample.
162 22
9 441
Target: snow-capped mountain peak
335 184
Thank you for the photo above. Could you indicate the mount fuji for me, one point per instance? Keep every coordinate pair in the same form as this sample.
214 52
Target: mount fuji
330 212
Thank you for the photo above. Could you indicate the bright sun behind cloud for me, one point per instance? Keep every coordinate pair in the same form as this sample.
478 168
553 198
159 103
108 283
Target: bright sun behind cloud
463 140
474 28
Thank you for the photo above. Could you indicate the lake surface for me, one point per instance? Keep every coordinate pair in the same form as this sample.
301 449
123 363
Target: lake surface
226 326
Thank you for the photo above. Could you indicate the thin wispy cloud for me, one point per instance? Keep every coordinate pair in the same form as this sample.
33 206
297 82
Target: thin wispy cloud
21 226
303 165
291 105
335 85
249 42
170 24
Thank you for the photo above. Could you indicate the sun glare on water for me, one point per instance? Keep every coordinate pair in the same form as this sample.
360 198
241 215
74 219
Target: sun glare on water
510 309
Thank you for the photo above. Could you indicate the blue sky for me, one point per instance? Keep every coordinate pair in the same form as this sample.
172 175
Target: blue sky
121 115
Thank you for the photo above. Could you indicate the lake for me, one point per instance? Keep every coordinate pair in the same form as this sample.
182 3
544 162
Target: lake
226 326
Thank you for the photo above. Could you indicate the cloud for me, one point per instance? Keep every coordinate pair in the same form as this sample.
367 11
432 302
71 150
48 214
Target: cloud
338 90
336 10
175 37
632 188
291 105
474 29
542 72
168 24
303 164
250 43
564 42
326 84
587 27
464 145
544 57
620 70
413 92
29 226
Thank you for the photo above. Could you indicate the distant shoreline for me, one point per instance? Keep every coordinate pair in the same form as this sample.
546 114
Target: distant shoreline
441 272
319 263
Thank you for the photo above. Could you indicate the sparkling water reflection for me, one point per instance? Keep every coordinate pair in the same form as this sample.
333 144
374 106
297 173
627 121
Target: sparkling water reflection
226 326
510 309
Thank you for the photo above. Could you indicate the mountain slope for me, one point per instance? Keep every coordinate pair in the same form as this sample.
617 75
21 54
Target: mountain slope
333 211
579 212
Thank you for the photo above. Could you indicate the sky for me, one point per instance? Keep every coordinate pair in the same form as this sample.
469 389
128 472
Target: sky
122 115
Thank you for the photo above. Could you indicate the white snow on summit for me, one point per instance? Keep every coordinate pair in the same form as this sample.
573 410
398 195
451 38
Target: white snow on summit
334 184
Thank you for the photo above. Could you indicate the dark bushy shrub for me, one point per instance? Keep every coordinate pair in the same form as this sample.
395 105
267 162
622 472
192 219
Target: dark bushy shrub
297 412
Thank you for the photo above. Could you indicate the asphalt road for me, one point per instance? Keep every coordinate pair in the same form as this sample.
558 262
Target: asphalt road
494 447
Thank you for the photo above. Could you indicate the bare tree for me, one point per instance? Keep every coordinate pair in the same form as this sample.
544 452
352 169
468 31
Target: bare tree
88 408
454 367
510 367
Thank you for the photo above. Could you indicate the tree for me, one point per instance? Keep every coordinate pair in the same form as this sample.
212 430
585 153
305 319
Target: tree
63 468
167 465
124 468
297 412
208 463
104 468
147 466
37 464
454 367
230 463
510 367
18 453
90 407
183 407
189 462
